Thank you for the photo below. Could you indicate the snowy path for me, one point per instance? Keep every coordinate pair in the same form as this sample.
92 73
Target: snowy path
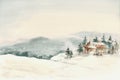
79 67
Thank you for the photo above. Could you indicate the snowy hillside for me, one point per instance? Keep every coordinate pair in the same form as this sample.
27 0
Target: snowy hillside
38 47
77 68
45 48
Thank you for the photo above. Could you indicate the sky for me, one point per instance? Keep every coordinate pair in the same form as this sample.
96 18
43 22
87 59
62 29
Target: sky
21 19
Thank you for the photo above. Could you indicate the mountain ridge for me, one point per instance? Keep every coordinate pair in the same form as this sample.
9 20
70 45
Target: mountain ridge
44 47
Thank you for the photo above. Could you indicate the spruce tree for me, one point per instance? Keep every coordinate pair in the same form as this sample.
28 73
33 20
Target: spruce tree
103 39
110 38
80 48
109 42
84 41
95 40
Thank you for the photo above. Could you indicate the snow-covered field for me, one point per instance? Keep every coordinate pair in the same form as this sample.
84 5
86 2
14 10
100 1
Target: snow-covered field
90 67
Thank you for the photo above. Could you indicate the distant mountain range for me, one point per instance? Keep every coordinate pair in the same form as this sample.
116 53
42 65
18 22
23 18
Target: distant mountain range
45 48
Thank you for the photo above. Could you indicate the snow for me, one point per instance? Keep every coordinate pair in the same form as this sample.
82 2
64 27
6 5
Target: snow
91 46
98 43
58 68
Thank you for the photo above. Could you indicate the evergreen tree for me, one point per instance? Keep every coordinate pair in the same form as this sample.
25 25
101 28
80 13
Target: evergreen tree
103 39
110 38
84 41
80 48
109 42
95 40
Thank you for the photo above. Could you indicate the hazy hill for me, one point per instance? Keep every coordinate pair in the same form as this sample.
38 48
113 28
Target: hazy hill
45 48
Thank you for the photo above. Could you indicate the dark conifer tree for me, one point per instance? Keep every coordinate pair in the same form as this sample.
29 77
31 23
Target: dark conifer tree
84 41
95 40
110 38
80 48
103 39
